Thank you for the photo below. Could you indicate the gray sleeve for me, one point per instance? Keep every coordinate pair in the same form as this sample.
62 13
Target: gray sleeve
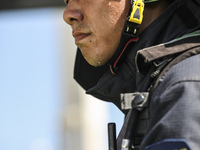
175 107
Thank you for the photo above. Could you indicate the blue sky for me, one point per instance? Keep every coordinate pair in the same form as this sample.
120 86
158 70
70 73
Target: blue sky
29 85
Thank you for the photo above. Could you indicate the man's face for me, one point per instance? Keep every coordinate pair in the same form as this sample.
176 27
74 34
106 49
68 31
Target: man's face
97 26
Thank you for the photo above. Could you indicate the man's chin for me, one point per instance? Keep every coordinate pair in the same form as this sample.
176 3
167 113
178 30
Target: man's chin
95 63
93 59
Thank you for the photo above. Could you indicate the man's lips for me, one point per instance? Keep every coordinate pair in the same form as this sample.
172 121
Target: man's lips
80 36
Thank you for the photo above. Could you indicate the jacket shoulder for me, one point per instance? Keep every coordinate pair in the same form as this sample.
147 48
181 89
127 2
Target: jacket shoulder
186 70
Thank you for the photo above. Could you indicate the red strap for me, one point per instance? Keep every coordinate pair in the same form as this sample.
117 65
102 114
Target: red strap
131 40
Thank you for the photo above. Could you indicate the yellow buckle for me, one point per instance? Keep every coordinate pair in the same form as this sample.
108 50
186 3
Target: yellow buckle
137 12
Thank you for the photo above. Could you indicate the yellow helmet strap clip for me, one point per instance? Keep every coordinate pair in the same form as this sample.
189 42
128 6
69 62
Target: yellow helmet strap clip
135 18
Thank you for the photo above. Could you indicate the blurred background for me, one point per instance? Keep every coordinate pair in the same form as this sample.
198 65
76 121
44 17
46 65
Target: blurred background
41 106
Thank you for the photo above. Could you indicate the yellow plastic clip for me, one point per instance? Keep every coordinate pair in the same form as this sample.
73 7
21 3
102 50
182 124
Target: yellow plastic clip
137 12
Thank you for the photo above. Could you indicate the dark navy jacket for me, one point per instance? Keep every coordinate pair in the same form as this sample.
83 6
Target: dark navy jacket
174 110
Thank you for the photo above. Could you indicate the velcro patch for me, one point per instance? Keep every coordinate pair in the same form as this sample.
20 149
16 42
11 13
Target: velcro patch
170 144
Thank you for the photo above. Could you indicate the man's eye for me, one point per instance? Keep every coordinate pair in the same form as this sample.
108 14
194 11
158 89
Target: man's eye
66 1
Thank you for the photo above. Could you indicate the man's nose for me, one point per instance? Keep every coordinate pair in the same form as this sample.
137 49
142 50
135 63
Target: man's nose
72 13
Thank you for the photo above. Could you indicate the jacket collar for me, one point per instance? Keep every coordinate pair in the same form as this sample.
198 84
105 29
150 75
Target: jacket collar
159 53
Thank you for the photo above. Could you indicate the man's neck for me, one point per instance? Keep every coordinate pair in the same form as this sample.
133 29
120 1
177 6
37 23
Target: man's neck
153 11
